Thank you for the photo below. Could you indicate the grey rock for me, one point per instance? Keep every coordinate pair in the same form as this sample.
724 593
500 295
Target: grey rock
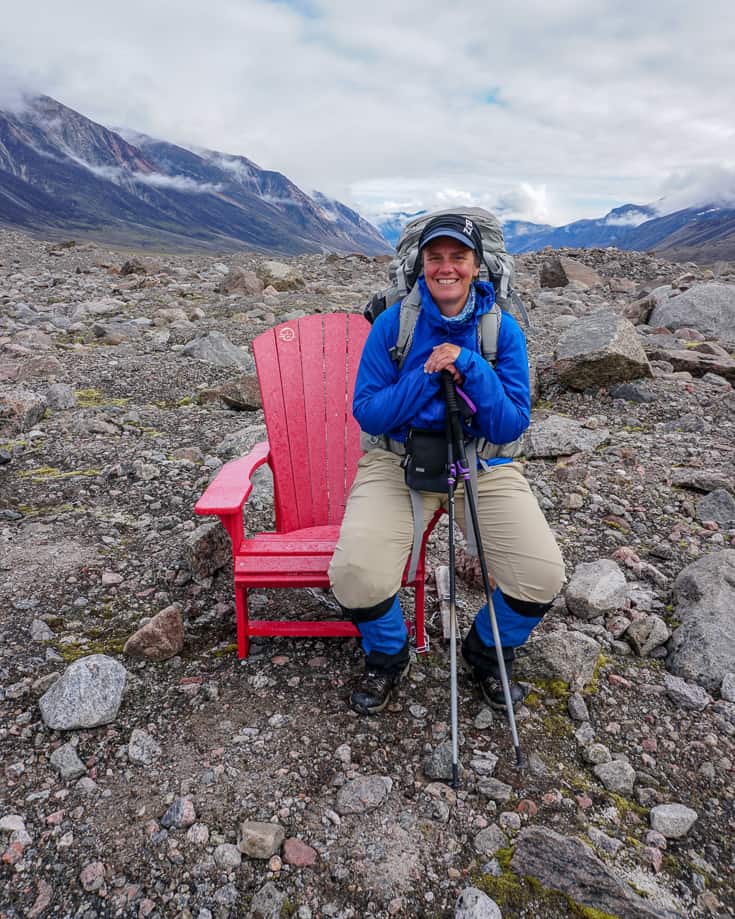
207 549
617 776
559 436
68 764
12 823
363 794
566 864
484 719
632 392
718 505
699 479
484 765
577 707
280 276
215 348
597 754
227 857
495 789
703 647
142 748
568 656
260 840
40 631
672 820
727 687
238 280
475 904
647 633
686 695
180 814
87 694
438 764
60 396
599 349
20 409
596 589
709 308
267 903
490 840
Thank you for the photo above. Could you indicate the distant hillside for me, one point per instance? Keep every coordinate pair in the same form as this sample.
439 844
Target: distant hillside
62 173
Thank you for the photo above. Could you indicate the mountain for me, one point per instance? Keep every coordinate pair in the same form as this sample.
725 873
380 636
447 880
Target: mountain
62 173
703 234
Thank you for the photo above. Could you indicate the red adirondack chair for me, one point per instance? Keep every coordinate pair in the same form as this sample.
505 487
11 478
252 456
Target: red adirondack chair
306 370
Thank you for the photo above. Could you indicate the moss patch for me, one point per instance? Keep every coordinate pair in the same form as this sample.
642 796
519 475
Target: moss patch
44 473
93 398
514 893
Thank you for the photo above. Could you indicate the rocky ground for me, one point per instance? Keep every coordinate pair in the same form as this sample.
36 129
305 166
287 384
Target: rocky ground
171 779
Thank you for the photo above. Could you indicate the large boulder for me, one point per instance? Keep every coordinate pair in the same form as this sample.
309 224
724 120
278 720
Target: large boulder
281 276
703 647
559 436
568 656
159 639
596 589
86 695
600 349
708 307
20 410
558 271
566 864
215 348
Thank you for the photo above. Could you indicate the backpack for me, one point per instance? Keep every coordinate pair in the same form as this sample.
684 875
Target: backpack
404 270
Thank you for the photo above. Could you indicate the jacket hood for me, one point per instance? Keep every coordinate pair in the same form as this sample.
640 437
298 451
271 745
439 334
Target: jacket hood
484 300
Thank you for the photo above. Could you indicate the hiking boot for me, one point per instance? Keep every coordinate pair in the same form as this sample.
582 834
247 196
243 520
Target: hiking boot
376 689
492 691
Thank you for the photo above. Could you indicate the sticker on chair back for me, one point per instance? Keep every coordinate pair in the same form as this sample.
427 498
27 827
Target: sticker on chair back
287 334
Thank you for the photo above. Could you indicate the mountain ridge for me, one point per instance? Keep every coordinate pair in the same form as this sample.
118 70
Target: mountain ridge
60 171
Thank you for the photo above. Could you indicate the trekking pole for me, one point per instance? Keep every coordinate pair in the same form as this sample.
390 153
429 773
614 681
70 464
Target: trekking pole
462 467
451 482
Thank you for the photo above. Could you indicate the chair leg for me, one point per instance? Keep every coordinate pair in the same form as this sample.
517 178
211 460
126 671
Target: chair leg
241 617
422 646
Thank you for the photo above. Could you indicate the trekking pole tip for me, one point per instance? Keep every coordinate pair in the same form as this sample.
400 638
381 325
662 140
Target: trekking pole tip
520 759
455 775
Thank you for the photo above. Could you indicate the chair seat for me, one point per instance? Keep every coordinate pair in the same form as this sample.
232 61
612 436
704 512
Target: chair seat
298 558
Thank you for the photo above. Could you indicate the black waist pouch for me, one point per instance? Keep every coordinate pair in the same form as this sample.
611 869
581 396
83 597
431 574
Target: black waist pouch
425 462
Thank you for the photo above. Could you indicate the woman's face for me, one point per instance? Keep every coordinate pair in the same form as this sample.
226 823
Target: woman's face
449 270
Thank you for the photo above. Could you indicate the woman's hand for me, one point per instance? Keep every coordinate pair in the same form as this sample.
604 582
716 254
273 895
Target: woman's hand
443 358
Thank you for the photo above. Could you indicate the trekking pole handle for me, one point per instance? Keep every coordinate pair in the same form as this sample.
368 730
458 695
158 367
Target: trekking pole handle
450 393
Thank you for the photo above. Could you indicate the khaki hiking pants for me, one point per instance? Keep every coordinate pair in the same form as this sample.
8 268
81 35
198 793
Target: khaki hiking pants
377 533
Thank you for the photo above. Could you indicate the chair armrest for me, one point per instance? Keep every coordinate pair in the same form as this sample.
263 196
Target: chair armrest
231 487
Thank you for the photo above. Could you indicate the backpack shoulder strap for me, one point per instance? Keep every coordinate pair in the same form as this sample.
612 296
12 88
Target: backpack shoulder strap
488 330
409 313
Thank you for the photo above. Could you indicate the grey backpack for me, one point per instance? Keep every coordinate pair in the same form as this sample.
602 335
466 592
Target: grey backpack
404 270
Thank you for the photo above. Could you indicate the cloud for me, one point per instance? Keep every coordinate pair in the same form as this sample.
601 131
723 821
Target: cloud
631 219
713 184
600 99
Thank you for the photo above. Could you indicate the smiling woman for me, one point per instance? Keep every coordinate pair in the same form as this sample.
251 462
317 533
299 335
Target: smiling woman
400 404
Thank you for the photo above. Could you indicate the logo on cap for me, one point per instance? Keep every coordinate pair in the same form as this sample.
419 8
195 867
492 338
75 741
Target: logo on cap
468 226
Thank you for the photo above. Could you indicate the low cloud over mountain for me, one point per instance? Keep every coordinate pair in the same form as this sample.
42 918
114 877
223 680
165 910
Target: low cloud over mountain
61 172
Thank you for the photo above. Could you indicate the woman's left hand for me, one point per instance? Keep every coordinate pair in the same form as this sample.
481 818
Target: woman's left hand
442 358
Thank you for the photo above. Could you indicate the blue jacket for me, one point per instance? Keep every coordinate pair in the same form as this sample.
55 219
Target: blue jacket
390 401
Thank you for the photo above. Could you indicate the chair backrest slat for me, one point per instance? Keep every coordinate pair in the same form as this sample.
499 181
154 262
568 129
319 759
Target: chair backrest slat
307 369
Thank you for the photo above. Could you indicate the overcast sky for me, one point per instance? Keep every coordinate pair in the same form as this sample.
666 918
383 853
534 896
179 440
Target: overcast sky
551 110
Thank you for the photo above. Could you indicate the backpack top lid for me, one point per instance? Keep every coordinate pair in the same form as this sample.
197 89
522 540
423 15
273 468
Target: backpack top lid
496 265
